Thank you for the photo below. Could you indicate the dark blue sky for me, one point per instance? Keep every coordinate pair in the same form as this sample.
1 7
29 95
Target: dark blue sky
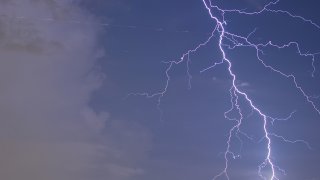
97 90
189 138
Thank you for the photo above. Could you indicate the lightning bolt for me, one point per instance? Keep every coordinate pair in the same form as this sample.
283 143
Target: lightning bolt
231 40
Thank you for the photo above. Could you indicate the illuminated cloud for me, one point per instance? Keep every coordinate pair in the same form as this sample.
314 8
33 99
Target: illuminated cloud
47 74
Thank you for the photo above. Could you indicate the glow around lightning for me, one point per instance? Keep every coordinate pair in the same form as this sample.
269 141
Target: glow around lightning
231 40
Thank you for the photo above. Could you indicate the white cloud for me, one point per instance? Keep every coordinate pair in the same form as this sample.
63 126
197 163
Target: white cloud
244 84
47 76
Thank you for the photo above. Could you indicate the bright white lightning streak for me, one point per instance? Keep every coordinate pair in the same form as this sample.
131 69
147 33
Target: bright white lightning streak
267 135
235 92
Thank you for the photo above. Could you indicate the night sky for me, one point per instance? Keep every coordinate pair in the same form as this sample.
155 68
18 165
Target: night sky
97 90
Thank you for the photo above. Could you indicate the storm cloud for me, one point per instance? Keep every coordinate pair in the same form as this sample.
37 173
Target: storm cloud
48 73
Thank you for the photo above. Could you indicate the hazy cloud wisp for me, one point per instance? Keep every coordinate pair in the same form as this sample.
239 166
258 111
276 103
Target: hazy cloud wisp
47 76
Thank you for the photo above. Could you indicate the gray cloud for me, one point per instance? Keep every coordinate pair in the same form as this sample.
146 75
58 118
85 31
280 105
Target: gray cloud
47 77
